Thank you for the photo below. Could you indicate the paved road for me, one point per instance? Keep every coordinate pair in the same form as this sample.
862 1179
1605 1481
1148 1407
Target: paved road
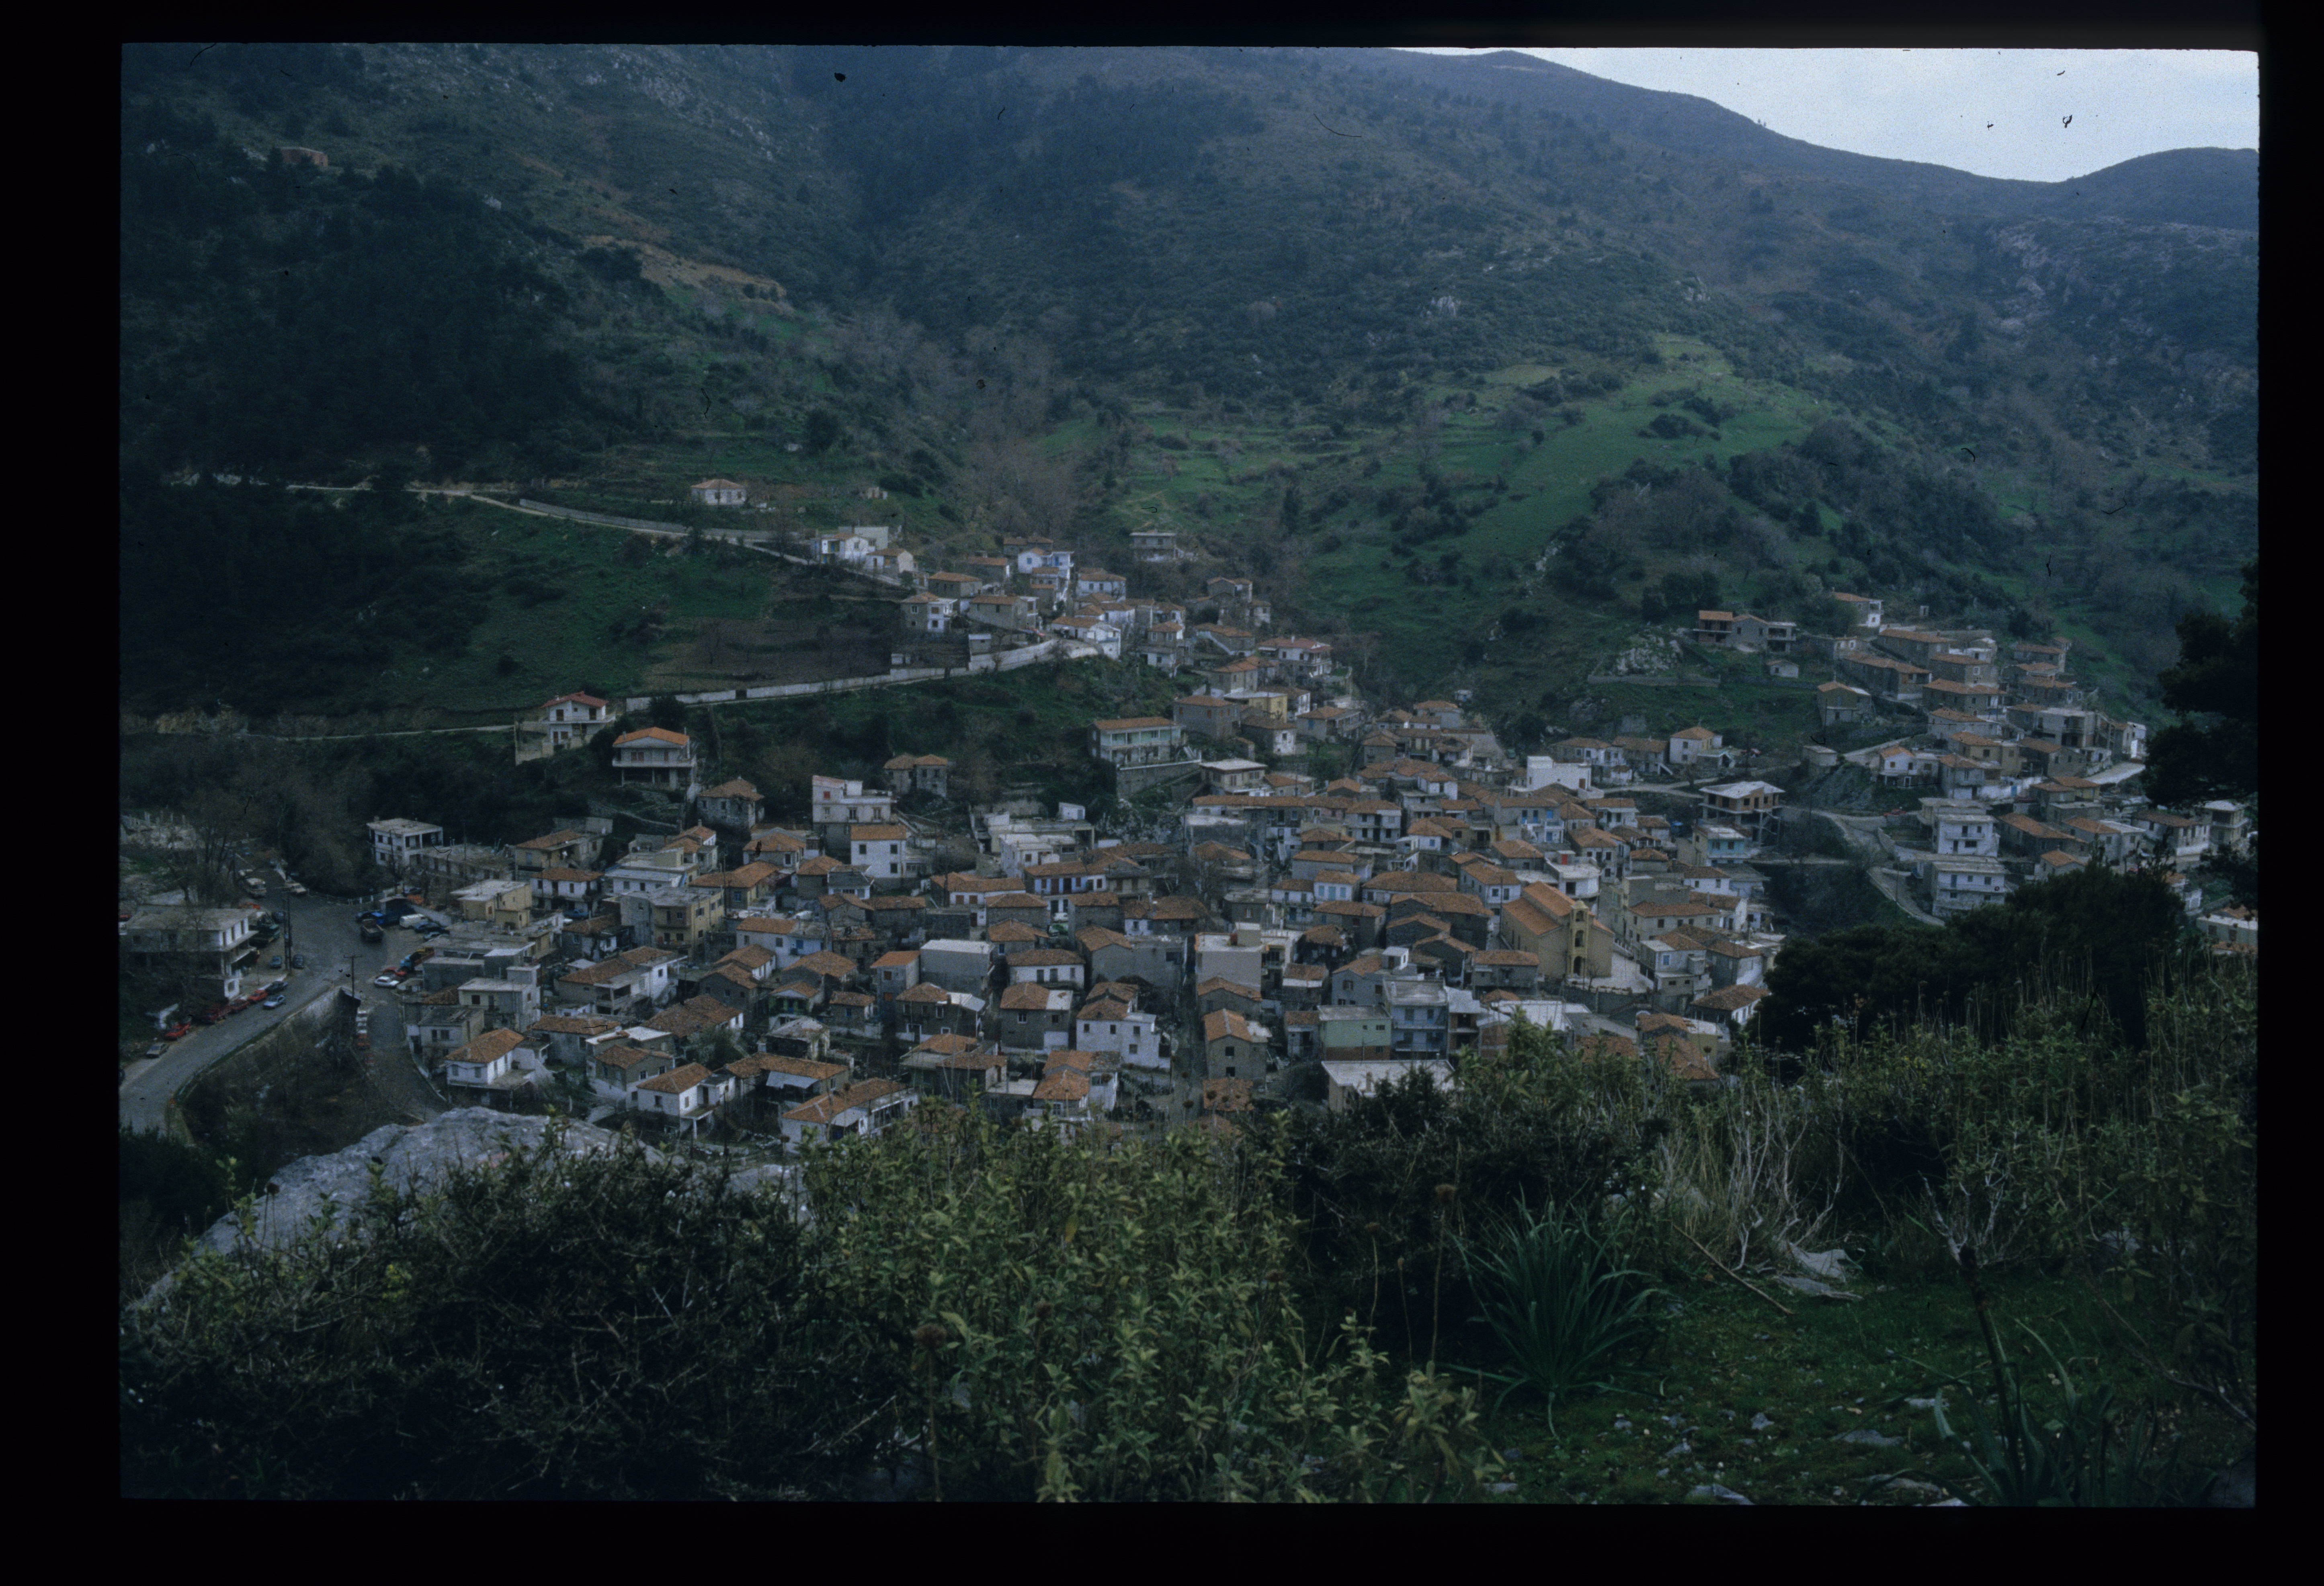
324 930
1897 888
502 728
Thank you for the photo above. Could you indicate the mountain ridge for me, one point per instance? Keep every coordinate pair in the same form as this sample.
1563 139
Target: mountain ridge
1071 292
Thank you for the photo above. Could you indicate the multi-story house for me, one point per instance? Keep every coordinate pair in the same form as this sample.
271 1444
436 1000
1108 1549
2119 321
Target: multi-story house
655 757
1961 826
572 718
394 844
211 944
1135 741
1748 807
1959 882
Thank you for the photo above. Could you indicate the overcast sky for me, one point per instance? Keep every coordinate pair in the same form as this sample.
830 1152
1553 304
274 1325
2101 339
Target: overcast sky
1991 112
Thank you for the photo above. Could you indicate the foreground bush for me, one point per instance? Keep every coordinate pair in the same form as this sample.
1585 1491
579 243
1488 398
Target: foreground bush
1533 1127
549 1327
1116 1325
2059 1141
1008 1313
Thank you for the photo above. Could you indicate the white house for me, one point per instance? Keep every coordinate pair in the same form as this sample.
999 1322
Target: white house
1103 636
497 1062
655 756
572 718
393 842
1959 826
1690 744
863 1108
720 493
217 941
1544 770
615 985
841 803
1960 883
1106 1024
883 852
685 1095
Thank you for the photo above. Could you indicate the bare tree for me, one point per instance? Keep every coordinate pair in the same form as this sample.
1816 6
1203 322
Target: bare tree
223 819
1021 489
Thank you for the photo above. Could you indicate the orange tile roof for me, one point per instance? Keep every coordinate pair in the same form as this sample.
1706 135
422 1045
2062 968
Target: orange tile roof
677 1079
825 1108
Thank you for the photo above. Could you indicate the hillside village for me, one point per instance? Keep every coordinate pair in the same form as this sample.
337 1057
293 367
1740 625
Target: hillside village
1290 941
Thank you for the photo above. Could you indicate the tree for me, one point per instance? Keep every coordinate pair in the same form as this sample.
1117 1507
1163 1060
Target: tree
1020 488
1832 618
822 431
2216 681
2098 934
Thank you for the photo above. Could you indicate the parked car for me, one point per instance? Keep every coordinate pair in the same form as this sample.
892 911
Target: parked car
389 981
157 1048
372 933
177 1032
210 1014
275 961
274 1001
297 960
297 890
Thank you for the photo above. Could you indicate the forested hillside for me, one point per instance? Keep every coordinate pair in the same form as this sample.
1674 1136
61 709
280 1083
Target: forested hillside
1480 363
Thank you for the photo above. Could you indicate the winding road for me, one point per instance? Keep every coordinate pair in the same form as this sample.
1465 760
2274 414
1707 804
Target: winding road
321 928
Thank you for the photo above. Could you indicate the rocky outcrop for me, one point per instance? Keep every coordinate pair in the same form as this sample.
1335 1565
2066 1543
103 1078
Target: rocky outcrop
409 1156
418 1156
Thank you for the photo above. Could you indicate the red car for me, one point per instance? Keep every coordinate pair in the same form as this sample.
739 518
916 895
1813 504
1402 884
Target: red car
212 1014
177 1032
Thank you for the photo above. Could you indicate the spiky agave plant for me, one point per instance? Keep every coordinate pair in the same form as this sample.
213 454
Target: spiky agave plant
1565 1306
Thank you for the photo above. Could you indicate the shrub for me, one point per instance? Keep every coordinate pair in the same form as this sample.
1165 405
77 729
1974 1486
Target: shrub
1096 1325
2092 1454
552 1326
1526 1127
1562 1303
